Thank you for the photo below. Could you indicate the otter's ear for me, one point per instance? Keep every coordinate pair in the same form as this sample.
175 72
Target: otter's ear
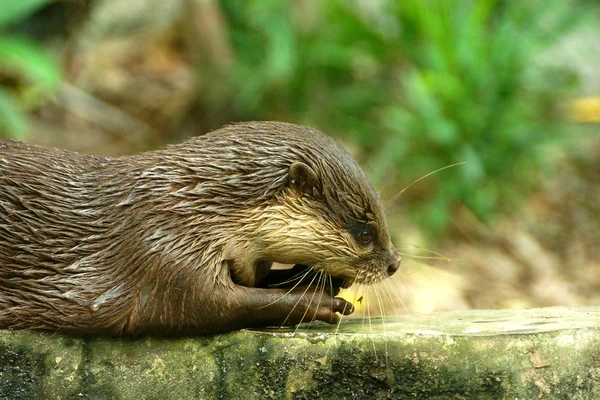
302 179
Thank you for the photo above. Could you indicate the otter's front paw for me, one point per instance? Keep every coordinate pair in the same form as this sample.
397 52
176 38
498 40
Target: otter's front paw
317 305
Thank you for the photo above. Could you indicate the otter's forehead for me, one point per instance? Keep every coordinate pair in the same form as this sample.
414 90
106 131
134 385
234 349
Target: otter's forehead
346 187
348 190
344 180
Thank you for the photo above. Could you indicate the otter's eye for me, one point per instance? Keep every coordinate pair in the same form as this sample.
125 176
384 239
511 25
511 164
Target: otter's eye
366 237
364 234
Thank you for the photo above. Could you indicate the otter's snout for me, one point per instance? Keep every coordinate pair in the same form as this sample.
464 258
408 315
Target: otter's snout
394 262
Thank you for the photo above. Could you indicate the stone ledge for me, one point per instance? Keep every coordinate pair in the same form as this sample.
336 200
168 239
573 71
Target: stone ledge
504 354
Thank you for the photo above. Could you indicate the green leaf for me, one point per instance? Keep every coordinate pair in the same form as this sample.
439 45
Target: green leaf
281 55
13 122
25 58
473 169
14 11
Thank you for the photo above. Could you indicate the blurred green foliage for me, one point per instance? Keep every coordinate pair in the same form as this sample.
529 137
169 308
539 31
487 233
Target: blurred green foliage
419 85
27 74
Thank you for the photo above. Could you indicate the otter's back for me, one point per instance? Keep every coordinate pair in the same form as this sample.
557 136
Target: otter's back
50 205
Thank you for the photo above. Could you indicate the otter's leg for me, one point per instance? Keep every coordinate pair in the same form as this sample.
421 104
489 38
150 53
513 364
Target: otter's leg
220 309
258 307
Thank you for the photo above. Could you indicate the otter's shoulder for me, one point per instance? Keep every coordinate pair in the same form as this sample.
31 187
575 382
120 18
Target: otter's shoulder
13 146
256 134
274 128
5 144
274 133
9 148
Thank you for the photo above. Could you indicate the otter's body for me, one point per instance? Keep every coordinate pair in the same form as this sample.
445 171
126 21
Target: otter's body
178 240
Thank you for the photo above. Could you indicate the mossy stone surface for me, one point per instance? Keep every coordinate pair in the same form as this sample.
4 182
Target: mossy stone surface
505 354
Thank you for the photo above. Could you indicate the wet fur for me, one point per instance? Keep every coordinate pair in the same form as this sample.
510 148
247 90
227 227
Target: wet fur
176 240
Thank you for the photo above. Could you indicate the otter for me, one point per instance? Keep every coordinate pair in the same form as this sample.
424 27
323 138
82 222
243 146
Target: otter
182 240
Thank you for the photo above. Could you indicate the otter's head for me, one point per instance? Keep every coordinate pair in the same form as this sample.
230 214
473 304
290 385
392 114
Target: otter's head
254 193
322 212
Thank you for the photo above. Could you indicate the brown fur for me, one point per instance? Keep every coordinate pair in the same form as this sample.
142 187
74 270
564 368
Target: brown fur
177 240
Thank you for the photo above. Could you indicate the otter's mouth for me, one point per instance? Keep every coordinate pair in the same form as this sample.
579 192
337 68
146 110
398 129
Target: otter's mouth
337 282
303 275
344 283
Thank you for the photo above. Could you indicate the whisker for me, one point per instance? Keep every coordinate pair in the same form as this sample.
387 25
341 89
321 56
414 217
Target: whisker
319 275
298 302
355 289
58 328
344 294
394 198
386 290
289 291
396 290
331 289
299 276
378 298
441 256
364 305
367 306
377 174
320 284
377 295
425 257
337 327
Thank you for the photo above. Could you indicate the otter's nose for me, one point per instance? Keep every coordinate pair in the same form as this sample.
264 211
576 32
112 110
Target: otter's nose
394 262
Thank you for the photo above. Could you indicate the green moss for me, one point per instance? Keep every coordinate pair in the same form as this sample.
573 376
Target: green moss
21 372
470 355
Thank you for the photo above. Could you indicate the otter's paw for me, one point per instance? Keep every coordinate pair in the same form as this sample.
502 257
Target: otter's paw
319 306
329 312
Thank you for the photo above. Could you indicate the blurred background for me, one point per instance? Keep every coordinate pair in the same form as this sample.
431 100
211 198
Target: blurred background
509 88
